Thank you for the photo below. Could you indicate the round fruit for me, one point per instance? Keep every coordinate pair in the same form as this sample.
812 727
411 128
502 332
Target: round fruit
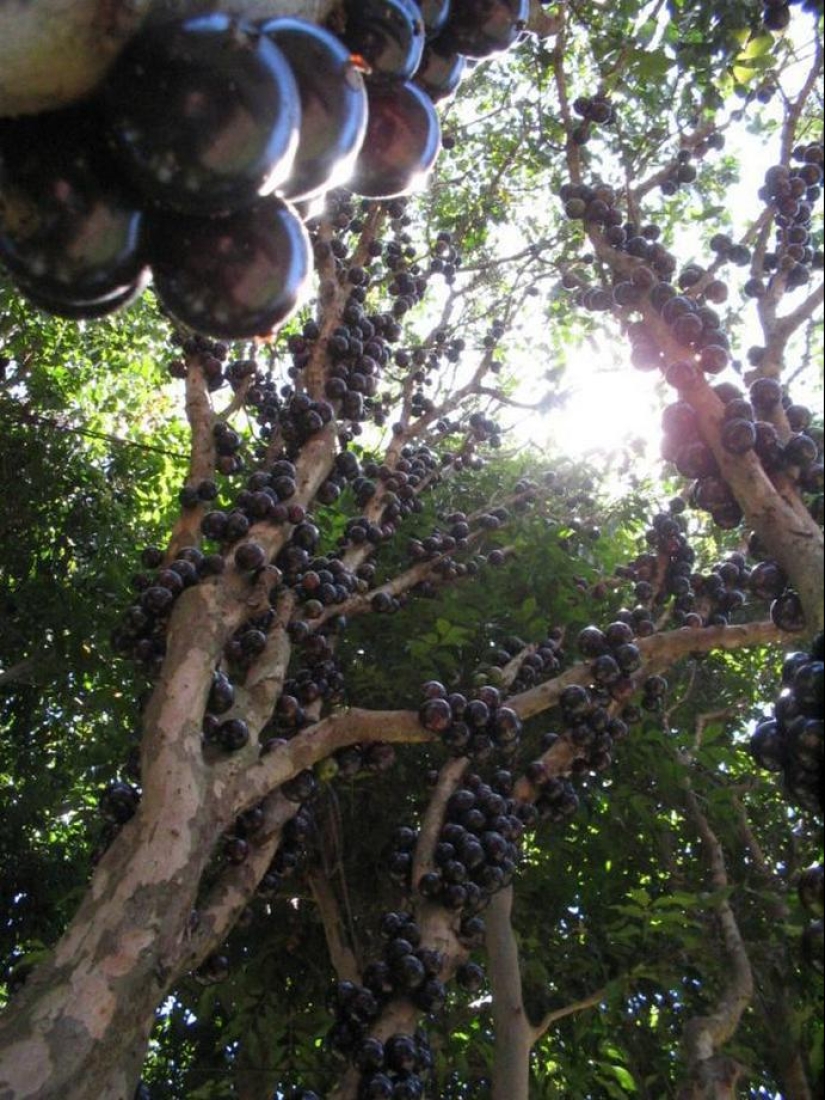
333 106
479 28
402 142
387 34
440 72
69 232
231 277
81 309
203 113
435 14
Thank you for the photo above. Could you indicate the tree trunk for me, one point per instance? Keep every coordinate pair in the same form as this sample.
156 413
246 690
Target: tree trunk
80 1026
513 1033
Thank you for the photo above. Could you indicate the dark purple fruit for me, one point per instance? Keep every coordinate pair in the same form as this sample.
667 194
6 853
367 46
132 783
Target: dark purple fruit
250 556
81 309
236 850
440 72
333 106
767 746
387 34
436 715
231 277
435 14
479 28
301 787
800 450
401 145
377 1087
470 977
119 802
738 436
767 580
787 613
69 233
401 1053
221 694
233 734
203 113
591 642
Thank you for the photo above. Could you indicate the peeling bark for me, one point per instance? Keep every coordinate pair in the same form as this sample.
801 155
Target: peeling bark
80 1025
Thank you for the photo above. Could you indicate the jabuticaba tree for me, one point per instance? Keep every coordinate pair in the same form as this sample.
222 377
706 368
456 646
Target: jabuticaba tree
325 497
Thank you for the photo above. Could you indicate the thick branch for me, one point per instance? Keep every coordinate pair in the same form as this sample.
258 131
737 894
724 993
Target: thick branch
202 454
232 892
665 648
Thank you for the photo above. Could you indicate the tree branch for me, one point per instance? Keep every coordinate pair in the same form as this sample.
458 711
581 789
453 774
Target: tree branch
590 1001
341 954
202 455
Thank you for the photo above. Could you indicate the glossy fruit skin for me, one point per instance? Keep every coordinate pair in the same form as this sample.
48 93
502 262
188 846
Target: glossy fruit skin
203 114
435 14
388 34
69 233
333 106
83 309
480 28
231 277
402 142
440 73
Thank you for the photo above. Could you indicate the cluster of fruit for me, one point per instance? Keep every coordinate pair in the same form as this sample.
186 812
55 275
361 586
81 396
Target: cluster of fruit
698 598
470 727
395 1068
533 662
141 632
686 308
294 852
747 426
478 847
588 724
679 174
596 110
792 742
793 192
188 159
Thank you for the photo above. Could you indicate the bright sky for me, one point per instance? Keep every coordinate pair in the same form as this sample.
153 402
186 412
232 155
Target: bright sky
609 403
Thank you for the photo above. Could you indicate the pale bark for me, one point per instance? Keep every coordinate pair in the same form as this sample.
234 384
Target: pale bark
711 1074
202 455
55 52
85 1016
514 1035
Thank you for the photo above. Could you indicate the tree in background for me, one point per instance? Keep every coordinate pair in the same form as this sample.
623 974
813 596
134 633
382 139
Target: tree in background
410 702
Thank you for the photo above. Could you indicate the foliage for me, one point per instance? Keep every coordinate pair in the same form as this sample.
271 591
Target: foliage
619 912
